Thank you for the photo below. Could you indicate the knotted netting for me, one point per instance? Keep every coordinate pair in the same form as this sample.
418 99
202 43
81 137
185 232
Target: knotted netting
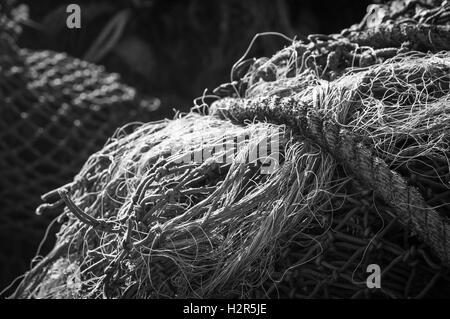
314 164
55 111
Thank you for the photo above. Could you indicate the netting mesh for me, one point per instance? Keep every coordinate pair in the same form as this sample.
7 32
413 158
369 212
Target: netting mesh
55 111
359 230
361 177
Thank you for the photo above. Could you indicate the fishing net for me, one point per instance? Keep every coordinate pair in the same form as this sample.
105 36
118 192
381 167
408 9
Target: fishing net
311 167
55 112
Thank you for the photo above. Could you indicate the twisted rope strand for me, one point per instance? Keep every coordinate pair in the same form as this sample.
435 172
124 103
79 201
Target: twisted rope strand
363 163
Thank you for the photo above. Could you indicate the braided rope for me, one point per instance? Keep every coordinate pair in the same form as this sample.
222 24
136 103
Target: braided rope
313 124
436 37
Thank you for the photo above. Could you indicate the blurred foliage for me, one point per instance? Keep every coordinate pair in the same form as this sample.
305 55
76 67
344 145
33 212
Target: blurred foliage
175 49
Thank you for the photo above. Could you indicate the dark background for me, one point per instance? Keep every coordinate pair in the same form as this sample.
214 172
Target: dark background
173 49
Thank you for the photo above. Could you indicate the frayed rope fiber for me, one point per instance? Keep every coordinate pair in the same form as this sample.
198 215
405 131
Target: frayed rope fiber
358 140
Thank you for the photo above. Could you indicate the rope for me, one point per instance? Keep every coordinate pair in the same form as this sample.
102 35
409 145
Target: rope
371 170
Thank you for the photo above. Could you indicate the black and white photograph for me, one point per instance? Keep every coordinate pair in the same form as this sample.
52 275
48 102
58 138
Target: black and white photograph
226 155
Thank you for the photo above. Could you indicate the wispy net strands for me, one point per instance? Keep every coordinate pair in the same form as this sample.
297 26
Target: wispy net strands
357 230
386 31
421 24
149 227
396 113
363 177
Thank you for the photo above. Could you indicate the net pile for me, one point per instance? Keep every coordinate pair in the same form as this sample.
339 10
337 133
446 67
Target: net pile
55 112
312 165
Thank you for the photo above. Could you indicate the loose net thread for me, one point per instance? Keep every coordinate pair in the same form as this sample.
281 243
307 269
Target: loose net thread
192 230
385 32
341 129
354 119
359 230
338 220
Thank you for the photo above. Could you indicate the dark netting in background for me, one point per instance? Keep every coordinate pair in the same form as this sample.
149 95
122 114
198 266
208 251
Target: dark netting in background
54 112
360 230
144 40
